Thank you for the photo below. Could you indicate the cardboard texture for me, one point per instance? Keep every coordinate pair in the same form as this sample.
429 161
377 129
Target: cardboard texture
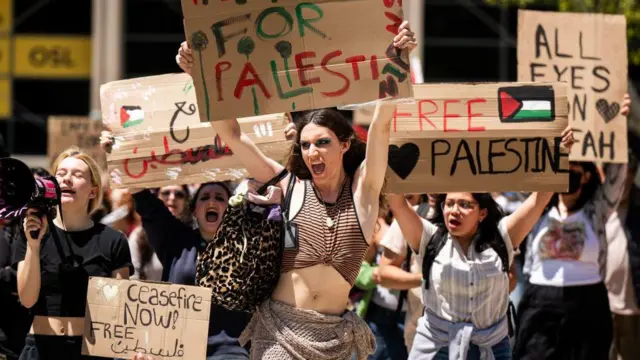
66 131
479 138
262 57
126 317
589 52
160 140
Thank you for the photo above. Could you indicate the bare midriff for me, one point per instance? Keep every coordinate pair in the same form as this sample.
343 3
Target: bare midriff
320 288
57 326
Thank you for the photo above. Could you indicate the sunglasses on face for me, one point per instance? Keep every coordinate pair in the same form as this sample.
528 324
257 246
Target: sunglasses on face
462 204
179 194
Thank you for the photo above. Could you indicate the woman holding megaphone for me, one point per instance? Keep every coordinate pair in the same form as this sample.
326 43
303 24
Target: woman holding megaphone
56 257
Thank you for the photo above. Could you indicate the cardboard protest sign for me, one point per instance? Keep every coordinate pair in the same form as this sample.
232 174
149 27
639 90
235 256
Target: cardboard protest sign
160 140
479 138
589 52
126 317
262 57
66 131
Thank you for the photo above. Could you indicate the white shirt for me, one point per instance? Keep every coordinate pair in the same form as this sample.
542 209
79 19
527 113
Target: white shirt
565 251
467 288
622 297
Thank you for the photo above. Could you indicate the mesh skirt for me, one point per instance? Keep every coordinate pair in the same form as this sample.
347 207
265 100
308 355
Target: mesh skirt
278 331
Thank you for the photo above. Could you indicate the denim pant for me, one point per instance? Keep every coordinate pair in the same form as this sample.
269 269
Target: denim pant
388 330
501 351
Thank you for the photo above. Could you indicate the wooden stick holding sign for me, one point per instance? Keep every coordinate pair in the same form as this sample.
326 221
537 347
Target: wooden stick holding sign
589 52
160 140
261 57
127 317
480 137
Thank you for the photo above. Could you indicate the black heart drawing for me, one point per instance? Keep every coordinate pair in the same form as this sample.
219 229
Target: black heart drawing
403 159
608 112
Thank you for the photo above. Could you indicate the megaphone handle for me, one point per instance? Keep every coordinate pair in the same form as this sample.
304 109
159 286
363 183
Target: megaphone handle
34 233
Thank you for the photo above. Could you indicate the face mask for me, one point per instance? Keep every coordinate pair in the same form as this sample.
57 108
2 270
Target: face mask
575 182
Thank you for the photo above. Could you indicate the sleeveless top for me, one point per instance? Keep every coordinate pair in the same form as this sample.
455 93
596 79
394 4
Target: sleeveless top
342 245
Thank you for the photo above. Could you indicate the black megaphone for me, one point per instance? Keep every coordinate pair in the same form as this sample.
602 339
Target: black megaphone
19 191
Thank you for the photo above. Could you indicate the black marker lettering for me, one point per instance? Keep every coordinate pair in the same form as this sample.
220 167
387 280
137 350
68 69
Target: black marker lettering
559 155
582 56
534 74
479 159
434 153
558 53
579 108
610 145
537 167
197 301
514 151
547 154
558 72
468 157
129 293
143 289
220 38
495 155
541 40
127 311
526 152
588 142
597 73
142 313
575 77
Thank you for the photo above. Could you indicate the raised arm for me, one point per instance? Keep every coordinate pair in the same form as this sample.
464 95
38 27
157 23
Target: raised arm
407 220
520 223
27 255
257 164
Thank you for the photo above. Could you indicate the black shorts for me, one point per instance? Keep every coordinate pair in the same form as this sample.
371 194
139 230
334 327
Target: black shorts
43 347
564 323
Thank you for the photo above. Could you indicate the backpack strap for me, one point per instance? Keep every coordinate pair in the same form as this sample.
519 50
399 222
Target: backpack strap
406 266
436 243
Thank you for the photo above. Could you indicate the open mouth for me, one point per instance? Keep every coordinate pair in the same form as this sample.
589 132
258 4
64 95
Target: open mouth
454 222
68 191
317 169
212 215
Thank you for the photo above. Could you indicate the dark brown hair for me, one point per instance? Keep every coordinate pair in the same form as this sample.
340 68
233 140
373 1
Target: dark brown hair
336 122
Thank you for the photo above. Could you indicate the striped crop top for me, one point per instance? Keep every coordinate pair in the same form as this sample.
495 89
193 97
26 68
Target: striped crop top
341 245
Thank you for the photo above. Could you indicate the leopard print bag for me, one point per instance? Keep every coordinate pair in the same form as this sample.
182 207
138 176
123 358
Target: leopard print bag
242 263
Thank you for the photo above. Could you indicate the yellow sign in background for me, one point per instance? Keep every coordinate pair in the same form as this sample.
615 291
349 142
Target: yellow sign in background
6 15
6 100
52 56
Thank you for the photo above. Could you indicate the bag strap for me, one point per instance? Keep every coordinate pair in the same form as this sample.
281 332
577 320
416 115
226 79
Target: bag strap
436 243
406 266
287 198
273 181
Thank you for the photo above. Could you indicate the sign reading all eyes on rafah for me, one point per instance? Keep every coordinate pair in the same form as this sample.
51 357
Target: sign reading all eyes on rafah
263 57
479 138
589 52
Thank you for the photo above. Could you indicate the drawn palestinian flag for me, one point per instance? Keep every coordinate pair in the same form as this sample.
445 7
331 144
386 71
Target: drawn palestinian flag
131 116
526 104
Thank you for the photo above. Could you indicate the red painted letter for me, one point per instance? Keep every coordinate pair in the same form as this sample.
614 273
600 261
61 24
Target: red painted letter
423 115
244 81
447 116
375 73
324 63
395 119
219 71
470 115
302 68
354 60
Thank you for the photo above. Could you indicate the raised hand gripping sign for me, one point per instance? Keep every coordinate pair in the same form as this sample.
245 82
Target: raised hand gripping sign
159 139
588 52
480 137
262 57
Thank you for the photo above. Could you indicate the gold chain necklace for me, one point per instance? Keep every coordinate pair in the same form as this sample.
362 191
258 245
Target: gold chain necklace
329 220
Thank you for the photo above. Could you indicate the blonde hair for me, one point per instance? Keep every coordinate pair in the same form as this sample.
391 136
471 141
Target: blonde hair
94 169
